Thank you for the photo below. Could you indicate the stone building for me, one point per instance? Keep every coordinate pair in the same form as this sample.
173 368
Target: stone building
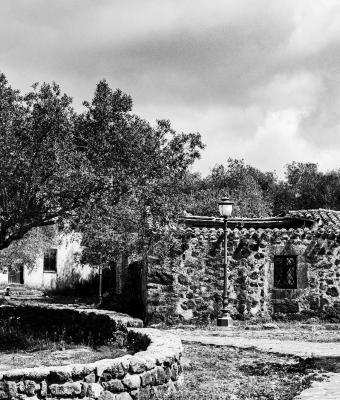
282 267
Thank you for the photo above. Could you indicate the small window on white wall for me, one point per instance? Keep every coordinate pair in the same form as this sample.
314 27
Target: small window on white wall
50 260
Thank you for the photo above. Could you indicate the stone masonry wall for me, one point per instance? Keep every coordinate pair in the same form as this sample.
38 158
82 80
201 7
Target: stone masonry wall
187 286
148 374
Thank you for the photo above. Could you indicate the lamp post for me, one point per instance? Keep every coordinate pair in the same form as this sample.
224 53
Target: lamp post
225 207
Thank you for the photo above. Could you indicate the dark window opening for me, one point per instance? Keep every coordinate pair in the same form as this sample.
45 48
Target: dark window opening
16 275
285 272
50 260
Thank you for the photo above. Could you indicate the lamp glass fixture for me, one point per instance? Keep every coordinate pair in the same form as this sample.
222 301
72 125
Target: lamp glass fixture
225 207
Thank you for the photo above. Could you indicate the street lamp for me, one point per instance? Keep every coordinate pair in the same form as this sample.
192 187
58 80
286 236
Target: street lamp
225 207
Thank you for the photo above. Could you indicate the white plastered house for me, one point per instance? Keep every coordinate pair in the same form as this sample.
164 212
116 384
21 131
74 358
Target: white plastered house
55 267
58 267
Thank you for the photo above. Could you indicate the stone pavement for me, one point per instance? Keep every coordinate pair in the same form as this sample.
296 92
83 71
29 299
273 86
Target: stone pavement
328 389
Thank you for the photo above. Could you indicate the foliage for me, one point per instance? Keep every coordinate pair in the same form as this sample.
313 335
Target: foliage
305 187
261 194
144 169
56 164
251 189
44 175
26 250
118 179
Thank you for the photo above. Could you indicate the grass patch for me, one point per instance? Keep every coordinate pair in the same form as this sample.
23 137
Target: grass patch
20 348
224 373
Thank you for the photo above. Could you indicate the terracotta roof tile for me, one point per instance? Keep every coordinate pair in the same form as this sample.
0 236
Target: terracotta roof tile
324 217
298 224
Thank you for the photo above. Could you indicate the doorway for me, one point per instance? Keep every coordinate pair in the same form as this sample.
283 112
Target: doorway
16 275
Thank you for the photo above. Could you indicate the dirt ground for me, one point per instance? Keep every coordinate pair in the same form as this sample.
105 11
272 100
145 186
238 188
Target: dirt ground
215 373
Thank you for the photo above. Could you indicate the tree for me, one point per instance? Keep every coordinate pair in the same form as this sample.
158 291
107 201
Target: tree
251 189
56 164
304 187
143 168
43 176
25 251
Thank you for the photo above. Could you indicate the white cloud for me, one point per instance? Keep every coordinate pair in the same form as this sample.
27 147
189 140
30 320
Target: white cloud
277 141
317 25
260 80
300 90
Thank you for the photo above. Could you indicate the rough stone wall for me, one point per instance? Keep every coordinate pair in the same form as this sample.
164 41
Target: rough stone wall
187 286
147 374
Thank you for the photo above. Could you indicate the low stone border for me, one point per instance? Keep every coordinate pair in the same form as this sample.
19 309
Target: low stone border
150 373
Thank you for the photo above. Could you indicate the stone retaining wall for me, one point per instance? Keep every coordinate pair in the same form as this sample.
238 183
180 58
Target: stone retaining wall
150 373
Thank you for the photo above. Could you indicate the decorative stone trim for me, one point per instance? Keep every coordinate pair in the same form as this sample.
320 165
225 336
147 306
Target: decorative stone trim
153 371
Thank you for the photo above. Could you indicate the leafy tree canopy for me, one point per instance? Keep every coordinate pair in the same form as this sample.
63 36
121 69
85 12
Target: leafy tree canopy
43 174
251 189
144 169
58 164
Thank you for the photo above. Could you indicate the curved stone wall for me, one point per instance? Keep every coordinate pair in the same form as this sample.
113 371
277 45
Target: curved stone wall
154 371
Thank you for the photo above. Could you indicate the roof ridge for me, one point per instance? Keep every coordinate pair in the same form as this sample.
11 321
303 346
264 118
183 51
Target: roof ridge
314 209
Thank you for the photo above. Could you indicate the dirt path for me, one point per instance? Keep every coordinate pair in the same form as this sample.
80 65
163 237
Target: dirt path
301 349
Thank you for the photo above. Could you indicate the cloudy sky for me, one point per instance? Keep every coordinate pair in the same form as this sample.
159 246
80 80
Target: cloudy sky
259 79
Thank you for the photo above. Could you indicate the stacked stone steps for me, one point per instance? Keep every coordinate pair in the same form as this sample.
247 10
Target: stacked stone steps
21 292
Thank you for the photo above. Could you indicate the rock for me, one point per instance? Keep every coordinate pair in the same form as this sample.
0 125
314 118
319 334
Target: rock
106 395
31 387
123 396
332 291
7 390
132 381
270 325
139 364
61 375
66 389
43 389
174 372
135 394
114 385
84 386
182 279
118 370
91 378
146 378
161 277
186 314
254 275
160 376
94 390
21 387
105 377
